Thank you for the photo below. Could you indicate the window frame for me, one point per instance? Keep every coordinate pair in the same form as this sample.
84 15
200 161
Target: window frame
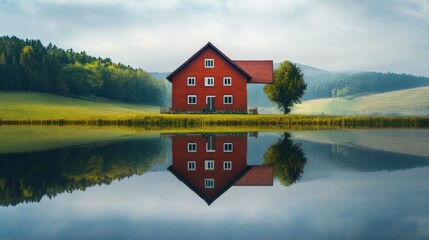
212 141
230 81
207 62
225 167
209 165
190 84
228 143
209 183
206 82
190 150
190 163
192 96
228 96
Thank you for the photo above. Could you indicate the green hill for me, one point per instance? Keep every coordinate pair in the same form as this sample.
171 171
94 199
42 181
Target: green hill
25 105
410 102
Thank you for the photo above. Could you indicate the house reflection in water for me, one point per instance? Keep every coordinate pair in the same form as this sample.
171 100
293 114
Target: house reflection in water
210 164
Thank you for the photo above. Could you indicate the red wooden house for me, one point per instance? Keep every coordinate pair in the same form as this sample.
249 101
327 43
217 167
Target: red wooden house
211 81
210 164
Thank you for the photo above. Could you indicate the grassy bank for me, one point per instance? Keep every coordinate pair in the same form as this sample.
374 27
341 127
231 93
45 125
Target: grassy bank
232 121
23 108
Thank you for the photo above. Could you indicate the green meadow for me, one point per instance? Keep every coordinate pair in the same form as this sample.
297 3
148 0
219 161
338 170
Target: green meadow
410 102
26 105
23 108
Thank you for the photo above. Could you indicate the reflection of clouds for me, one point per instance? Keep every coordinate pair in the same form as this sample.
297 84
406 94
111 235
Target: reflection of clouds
344 205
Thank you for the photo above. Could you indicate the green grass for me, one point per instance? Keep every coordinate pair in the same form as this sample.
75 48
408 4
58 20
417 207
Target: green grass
22 108
25 105
410 102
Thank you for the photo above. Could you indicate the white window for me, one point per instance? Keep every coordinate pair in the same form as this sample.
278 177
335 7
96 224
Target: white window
209 165
191 81
227 81
209 183
191 165
227 147
227 99
209 81
192 147
209 63
227 165
192 99
210 144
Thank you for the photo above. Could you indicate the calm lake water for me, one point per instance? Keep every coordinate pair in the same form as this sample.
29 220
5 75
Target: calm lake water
342 184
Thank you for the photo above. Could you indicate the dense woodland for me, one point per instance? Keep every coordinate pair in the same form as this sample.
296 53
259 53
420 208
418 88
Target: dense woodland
27 65
342 85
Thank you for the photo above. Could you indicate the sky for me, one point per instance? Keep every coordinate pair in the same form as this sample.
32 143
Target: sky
157 36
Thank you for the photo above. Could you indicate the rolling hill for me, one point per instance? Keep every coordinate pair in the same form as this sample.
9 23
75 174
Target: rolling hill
410 102
24 105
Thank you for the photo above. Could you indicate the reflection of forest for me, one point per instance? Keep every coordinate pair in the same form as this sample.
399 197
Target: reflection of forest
27 177
287 158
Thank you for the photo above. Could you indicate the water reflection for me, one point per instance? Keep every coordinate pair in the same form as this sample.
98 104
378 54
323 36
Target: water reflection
210 164
287 158
28 177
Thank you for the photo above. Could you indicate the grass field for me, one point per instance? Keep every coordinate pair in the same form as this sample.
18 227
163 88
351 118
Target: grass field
22 108
410 102
25 105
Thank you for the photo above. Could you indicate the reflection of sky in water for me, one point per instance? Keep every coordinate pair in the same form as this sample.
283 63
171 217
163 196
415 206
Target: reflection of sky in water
344 205
333 200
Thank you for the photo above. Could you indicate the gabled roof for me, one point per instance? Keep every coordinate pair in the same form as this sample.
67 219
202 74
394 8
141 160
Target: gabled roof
207 199
210 45
261 71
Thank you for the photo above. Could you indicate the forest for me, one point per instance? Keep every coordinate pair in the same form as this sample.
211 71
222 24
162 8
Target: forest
27 65
343 84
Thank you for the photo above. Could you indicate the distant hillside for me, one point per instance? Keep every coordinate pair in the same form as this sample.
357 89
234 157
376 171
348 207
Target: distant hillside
410 102
27 65
324 84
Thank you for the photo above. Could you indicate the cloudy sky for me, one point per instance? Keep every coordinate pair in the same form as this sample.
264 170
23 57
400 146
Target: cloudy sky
336 35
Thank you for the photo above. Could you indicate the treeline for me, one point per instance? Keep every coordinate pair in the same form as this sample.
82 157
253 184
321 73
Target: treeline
342 85
27 65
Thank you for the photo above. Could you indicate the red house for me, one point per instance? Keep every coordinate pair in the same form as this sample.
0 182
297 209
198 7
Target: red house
210 81
210 164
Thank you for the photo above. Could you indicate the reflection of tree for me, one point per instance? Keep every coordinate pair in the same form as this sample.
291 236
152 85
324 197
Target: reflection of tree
288 160
30 176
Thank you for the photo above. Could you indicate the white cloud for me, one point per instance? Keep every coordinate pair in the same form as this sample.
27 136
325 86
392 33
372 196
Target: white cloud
160 35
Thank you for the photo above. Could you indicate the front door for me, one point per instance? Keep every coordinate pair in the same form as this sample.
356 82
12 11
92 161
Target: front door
210 100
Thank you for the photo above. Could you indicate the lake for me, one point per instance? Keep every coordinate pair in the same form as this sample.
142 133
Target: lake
119 183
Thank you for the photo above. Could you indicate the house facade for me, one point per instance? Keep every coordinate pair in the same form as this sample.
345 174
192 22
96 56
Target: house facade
210 81
211 164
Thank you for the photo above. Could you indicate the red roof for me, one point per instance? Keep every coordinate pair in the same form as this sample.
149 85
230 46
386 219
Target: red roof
261 71
257 176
